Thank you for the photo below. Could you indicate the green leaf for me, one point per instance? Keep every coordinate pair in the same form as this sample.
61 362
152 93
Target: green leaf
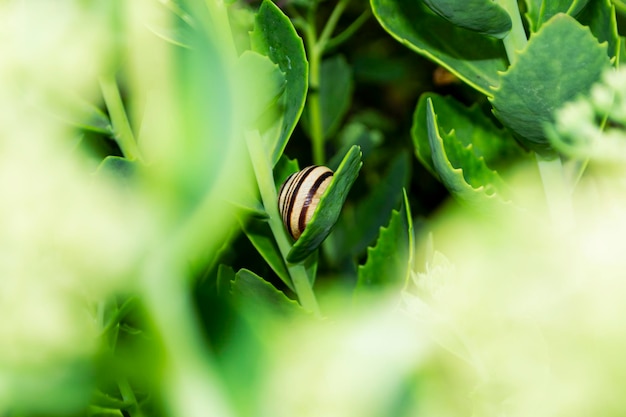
388 263
482 16
561 61
252 67
463 173
261 237
335 91
283 169
329 207
599 15
473 58
471 126
360 224
257 295
540 11
275 37
121 167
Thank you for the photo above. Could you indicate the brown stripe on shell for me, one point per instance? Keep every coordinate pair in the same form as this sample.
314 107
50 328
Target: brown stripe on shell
313 191
300 192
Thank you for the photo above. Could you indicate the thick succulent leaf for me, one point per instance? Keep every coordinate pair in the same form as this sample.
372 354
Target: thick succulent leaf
463 173
329 207
252 67
482 16
471 127
473 58
540 11
359 226
257 295
275 37
599 15
335 94
389 262
561 61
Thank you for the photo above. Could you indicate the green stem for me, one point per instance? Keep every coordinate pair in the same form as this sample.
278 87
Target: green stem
516 40
129 397
121 127
557 193
347 33
331 23
265 180
313 99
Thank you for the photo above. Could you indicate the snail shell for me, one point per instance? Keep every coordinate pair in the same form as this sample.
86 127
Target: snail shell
299 196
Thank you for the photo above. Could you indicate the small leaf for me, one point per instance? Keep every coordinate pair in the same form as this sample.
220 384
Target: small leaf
329 207
335 94
118 166
482 16
473 58
257 295
275 37
463 173
561 61
540 11
261 237
388 263
471 127
360 224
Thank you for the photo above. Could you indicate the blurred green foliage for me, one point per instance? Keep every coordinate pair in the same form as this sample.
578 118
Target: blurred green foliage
146 271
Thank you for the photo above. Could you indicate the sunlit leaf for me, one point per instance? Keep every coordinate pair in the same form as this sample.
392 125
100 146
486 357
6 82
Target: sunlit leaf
561 61
275 37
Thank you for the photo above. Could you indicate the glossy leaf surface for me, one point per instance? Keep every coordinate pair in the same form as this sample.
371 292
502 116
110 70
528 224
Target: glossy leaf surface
275 37
482 16
472 57
463 173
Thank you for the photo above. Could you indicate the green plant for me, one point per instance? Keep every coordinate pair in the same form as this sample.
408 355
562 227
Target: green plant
146 270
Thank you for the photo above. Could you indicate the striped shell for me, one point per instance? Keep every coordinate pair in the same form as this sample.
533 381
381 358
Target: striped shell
299 195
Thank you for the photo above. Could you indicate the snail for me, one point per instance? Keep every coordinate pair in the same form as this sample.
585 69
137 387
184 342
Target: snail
299 196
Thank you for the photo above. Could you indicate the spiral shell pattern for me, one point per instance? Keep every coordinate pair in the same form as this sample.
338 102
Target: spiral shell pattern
299 196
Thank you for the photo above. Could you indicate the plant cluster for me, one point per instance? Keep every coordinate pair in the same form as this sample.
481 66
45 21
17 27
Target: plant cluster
146 267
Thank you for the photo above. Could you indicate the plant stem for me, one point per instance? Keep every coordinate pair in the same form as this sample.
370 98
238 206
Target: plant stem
557 194
265 180
129 397
121 127
516 40
315 48
313 99
331 23
349 31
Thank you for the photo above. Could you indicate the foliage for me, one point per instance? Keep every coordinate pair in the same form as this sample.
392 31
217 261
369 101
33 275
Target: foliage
146 269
